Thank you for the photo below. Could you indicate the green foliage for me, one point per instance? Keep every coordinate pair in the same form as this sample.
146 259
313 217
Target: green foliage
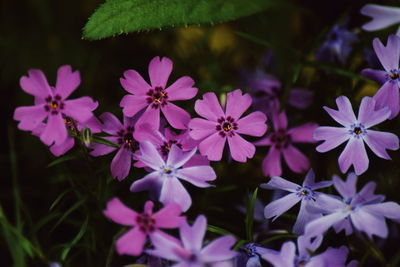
124 16
250 215
81 232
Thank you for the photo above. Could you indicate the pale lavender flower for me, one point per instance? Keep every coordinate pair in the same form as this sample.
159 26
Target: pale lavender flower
364 210
167 175
356 131
304 193
189 251
382 17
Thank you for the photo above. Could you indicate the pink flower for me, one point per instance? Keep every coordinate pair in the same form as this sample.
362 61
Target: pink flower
144 224
281 142
51 104
219 126
157 96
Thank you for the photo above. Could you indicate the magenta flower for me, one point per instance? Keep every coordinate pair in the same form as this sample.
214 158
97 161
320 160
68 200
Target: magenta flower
122 135
388 95
157 96
51 104
190 251
219 126
144 224
281 142
356 131
167 173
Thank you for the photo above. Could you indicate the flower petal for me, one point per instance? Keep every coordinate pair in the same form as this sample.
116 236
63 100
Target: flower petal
277 182
131 243
150 156
388 209
348 188
201 128
182 89
212 147
80 108
176 116
378 142
111 124
387 103
296 160
345 115
369 223
321 225
219 249
36 84
134 83
277 207
60 149
67 81
197 175
119 213
300 98
100 149
151 182
253 124
370 115
240 148
209 107
389 55
192 237
55 130
132 104
177 158
237 103
30 117
172 191
303 133
382 16
332 136
150 116
121 164
303 218
168 217
271 164
377 75
159 71
279 120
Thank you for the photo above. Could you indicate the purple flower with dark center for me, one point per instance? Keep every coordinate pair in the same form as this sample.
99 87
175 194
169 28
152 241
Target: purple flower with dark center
281 142
189 251
167 173
219 126
356 131
304 194
122 135
364 210
51 104
382 16
338 45
388 94
250 255
157 96
144 224
287 257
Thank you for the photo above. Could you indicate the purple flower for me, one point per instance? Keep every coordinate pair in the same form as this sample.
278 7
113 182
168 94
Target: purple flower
51 104
287 257
281 142
356 131
250 255
166 175
382 16
144 224
388 94
189 251
157 96
220 126
304 193
337 45
122 135
364 210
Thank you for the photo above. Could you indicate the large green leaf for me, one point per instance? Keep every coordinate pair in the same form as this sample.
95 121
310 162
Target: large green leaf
124 16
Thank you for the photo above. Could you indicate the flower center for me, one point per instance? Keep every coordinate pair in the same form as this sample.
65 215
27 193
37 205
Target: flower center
167 171
126 140
301 261
250 249
281 139
53 104
157 97
357 130
166 147
394 75
227 126
145 222
306 193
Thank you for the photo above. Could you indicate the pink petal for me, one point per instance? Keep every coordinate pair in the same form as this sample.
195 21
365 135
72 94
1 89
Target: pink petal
181 89
386 98
172 191
67 81
168 217
30 117
271 164
212 147
159 71
378 142
303 133
111 124
134 83
253 124
354 154
150 116
240 148
100 149
197 160
131 243
201 128
58 150
389 55
150 156
121 164
80 108
55 130
237 103
197 175
119 213
209 107
132 104
145 132
266 141
176 116
192 237
296 160
333 137
279 120
36 84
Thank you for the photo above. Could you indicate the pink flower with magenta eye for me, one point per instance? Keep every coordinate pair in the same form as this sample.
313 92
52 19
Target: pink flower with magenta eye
144 224
220 126
157 96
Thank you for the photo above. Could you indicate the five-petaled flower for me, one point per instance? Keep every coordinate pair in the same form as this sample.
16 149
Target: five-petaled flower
356 131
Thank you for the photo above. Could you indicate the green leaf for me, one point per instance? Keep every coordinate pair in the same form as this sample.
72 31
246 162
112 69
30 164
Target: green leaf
250 216
277 237
123 16
62 159
104 142
58 199
68 247
68 212
218 230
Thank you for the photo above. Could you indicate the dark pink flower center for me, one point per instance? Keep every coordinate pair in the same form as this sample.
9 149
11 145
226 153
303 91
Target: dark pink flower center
126 140
157 97
69 122
145 222
281 139
54 104
166 147
227 126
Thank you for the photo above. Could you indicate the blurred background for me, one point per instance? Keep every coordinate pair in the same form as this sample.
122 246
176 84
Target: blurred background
53 213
